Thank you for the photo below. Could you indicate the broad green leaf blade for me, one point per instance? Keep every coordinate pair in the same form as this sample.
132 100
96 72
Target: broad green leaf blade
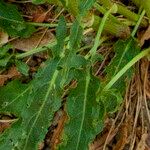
43 100
22 67
70 62
85 5
4 50
71 59
111 99
13 100
75 36
13 97
61 33
34 105
4 61
12 22
85 115
125 51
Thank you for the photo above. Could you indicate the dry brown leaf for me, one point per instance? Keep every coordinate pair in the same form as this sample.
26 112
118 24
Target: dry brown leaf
4 126
101 138
98 144
3 79
5 122
40 17
11 74
145 36
57 132
3 38
142 143
123 138
148 140
31 42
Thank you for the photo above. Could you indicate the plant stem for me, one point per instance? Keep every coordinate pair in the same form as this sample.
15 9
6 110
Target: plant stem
138 24
35 50
38 49
133 61
103 11
50 25
145 4
119 30
98 35
124 11
126 67
106 3
45 24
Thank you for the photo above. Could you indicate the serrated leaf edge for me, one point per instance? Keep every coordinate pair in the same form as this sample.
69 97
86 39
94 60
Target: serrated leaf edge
84 108
51 85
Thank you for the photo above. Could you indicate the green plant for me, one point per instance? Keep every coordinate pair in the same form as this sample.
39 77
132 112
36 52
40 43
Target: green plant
4 56
12 22
34 104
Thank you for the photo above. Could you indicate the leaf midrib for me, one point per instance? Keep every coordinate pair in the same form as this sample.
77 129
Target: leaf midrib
19 96
84 108
51 84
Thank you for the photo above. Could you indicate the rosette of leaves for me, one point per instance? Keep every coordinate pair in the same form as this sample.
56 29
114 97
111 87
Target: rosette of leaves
34 104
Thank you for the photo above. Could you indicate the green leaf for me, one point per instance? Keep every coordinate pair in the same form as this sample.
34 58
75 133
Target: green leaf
111 99
12 22
75 36
75 7
71 59
125 51
85 115
70 5
61 33
22 67
4 61
4 50
4 55
11 94
34 105
85 5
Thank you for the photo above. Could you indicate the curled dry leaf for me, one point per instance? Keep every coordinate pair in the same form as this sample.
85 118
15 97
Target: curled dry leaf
3 126
40 17
5 122
142 143
145 36
57 132
31 42
101 138
123 138
12 73
148 140
3 38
